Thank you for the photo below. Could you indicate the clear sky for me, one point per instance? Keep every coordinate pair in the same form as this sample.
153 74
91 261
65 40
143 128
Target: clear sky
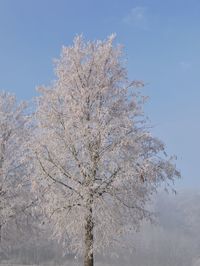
161 42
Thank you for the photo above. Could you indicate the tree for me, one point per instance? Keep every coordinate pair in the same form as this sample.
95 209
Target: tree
94 156
13 169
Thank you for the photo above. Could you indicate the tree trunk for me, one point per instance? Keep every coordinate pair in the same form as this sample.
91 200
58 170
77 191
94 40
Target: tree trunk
89 239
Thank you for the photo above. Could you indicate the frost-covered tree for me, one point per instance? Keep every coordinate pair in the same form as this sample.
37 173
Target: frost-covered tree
13 169
96 162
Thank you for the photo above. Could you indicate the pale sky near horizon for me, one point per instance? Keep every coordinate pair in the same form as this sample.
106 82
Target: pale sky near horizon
161 43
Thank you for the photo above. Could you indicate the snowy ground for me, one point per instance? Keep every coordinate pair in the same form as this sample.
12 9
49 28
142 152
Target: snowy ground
66 264
70 263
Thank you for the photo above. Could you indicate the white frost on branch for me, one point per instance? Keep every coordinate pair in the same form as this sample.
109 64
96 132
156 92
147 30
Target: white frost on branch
94 156
14 191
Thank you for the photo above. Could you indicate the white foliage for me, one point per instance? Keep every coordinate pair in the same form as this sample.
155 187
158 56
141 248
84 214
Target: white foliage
92 147
13 174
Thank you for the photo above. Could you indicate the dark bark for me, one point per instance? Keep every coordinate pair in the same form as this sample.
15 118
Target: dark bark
89 239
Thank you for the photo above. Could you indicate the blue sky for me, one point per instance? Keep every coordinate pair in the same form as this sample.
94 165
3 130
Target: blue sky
161 42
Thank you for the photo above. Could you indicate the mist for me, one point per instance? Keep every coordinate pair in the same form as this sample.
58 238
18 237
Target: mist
173 239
